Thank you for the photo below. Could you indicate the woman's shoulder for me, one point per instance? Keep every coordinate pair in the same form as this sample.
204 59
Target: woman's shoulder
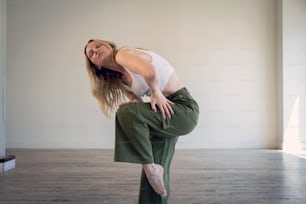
126 53
131 50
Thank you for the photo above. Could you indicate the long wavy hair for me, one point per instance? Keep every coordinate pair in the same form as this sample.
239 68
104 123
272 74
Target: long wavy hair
106 84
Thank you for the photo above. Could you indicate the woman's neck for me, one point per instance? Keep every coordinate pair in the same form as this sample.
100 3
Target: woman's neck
110 63
115 67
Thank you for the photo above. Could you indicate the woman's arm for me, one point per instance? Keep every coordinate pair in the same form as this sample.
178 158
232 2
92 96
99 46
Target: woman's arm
140 63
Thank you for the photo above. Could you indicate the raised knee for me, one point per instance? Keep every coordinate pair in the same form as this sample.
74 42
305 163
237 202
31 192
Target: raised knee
125 114
123 111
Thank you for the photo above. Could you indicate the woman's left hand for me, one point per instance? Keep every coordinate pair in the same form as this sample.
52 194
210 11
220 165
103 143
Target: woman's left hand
164 105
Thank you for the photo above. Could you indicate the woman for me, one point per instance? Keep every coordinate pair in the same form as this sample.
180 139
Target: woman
146 133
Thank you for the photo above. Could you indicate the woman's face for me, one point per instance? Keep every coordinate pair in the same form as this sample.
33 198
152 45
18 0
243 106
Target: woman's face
98 53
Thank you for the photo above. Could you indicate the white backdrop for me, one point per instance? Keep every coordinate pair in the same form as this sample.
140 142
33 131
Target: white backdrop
2 75
224 51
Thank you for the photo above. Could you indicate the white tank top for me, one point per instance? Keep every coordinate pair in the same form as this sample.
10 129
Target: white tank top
163 68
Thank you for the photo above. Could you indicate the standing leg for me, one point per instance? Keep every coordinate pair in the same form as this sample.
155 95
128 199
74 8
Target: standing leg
163 151
136 122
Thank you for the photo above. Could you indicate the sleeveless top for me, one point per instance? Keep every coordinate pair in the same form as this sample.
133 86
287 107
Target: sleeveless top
163 68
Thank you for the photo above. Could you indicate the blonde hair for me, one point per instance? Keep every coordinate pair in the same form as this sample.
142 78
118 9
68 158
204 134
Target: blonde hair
106 84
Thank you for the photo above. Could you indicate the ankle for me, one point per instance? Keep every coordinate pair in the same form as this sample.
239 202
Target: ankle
151 169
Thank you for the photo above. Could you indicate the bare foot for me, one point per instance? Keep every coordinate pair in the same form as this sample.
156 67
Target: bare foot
155 174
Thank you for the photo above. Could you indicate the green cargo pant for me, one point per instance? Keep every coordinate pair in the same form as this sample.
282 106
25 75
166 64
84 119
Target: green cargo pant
143 137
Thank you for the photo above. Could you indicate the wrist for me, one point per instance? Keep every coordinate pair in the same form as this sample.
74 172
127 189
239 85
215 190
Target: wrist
154 91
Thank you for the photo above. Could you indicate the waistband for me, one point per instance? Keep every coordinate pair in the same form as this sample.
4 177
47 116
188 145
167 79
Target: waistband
183 91
183 97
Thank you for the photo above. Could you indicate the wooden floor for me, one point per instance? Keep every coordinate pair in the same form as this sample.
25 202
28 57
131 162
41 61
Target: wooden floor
198 177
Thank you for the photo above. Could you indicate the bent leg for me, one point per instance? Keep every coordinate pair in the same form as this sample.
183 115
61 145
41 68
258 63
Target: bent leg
163 151
132 143
135 123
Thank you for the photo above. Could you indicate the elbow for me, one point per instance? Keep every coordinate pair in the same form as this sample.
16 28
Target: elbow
151 78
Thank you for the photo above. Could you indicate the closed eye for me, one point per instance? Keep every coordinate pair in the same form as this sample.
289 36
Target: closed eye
90 53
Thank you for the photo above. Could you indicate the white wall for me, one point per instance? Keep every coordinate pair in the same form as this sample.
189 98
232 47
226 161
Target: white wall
223 50
279 70
2 75
294 74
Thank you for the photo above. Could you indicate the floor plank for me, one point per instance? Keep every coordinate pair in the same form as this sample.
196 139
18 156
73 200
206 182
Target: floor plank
198 177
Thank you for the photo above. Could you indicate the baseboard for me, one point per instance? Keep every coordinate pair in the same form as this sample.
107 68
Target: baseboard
7 163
